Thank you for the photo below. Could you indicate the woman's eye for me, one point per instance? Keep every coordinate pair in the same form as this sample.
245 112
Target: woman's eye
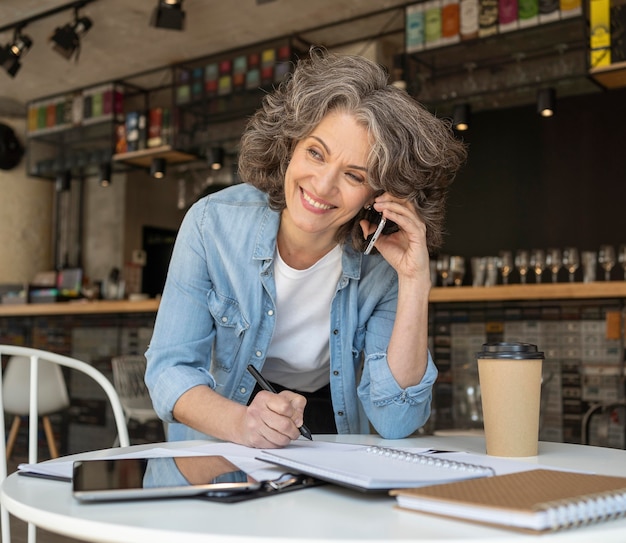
314 153
356 178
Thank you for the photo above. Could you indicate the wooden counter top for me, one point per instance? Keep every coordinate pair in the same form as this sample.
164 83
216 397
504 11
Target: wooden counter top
80 308
543 291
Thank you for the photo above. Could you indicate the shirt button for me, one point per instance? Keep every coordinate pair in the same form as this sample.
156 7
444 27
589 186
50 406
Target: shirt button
335 372
242 390
258 353
335 331
270 312
224 319
340 413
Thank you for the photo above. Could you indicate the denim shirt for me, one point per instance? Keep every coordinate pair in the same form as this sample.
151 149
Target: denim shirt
217 315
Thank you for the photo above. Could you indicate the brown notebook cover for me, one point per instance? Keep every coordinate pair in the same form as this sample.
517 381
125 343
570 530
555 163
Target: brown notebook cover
536 501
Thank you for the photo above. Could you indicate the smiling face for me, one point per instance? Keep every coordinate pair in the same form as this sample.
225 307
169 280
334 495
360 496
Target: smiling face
326 181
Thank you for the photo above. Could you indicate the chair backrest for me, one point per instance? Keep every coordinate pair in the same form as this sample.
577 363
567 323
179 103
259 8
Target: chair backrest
52 393
128 378
35 357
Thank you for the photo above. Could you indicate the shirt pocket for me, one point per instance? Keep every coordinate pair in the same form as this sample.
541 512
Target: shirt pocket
230 326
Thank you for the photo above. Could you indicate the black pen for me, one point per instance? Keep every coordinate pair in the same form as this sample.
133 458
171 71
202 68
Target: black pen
264 384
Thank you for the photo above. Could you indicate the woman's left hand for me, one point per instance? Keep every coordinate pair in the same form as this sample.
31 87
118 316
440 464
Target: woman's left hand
405 250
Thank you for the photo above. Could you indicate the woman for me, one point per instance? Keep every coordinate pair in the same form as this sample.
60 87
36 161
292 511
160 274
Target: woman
272 272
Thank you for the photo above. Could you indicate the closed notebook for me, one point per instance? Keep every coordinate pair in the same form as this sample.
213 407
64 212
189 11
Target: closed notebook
536 501
368 468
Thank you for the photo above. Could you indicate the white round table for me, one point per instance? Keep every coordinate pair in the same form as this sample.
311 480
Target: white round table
322 514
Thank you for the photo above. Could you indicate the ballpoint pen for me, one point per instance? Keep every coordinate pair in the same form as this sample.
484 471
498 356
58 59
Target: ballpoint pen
264 384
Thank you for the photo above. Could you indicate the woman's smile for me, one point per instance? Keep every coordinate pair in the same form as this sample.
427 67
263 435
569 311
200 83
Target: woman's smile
315 204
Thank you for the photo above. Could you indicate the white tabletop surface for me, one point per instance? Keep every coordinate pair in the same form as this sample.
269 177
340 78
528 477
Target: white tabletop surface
326 513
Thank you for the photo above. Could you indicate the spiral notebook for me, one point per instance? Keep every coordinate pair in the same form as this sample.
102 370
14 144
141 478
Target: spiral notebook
370 468
534 501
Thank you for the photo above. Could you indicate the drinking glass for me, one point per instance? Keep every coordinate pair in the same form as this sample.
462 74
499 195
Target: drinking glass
505 263
606 258
443 269
589 261
457 270
491 271
571 261
554 263
538 263
621 258
479 265
522 263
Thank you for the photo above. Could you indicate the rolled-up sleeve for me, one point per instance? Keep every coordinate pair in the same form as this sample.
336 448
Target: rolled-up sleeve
395 412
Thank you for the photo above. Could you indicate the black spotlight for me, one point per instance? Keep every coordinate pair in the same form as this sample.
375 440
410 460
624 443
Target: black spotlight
546 102
461 117
63 181
157 168
215 158
168 14
66 39
11 54
105 174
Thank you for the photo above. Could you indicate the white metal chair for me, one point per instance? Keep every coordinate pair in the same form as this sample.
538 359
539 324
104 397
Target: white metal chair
52 397
35 356
128 378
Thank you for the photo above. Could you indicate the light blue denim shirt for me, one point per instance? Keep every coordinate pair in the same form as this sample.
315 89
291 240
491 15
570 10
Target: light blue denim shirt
217 315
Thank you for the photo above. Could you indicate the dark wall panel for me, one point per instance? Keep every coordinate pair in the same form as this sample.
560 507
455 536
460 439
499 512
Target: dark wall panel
535 183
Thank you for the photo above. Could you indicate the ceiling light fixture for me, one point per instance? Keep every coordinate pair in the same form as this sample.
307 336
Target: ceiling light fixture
66 39
105 174
157 168
168 14
63 181
215 158
11 54
461 117
546 102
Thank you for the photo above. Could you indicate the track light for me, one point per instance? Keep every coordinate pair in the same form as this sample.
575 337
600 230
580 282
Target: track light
63 181
215 158
11 54
546 102
105 174
461 117
66 39
157 168
168 14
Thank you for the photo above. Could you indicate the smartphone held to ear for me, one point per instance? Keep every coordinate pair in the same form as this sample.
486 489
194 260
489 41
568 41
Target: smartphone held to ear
385 227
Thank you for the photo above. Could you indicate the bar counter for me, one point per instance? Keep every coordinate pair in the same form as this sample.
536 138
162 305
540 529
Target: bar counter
533 291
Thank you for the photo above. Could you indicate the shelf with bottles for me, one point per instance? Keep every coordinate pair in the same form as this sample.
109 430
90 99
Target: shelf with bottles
227 87
73 131
450 33
463 54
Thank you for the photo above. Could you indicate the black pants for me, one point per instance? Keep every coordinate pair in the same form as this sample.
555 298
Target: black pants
318 413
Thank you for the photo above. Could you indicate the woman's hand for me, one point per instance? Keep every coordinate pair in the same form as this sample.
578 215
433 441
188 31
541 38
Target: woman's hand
273 420
405 250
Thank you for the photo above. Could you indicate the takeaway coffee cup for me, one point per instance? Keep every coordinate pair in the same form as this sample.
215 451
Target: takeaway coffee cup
510 387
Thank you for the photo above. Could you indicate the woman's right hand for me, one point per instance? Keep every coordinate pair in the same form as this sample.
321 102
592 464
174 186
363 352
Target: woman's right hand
273 420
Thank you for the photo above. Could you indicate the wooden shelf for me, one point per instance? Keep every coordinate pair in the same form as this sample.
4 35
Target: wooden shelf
543 291
79 308
143 158
610 77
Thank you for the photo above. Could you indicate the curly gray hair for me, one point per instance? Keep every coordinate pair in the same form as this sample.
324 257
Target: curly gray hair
414 154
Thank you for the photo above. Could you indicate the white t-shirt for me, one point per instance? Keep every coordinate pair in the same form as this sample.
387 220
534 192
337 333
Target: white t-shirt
299 354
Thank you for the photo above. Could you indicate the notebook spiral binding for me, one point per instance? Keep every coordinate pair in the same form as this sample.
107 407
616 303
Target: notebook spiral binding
428 460
590 510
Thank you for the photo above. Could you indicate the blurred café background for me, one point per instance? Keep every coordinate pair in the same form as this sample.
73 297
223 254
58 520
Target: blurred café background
116 116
